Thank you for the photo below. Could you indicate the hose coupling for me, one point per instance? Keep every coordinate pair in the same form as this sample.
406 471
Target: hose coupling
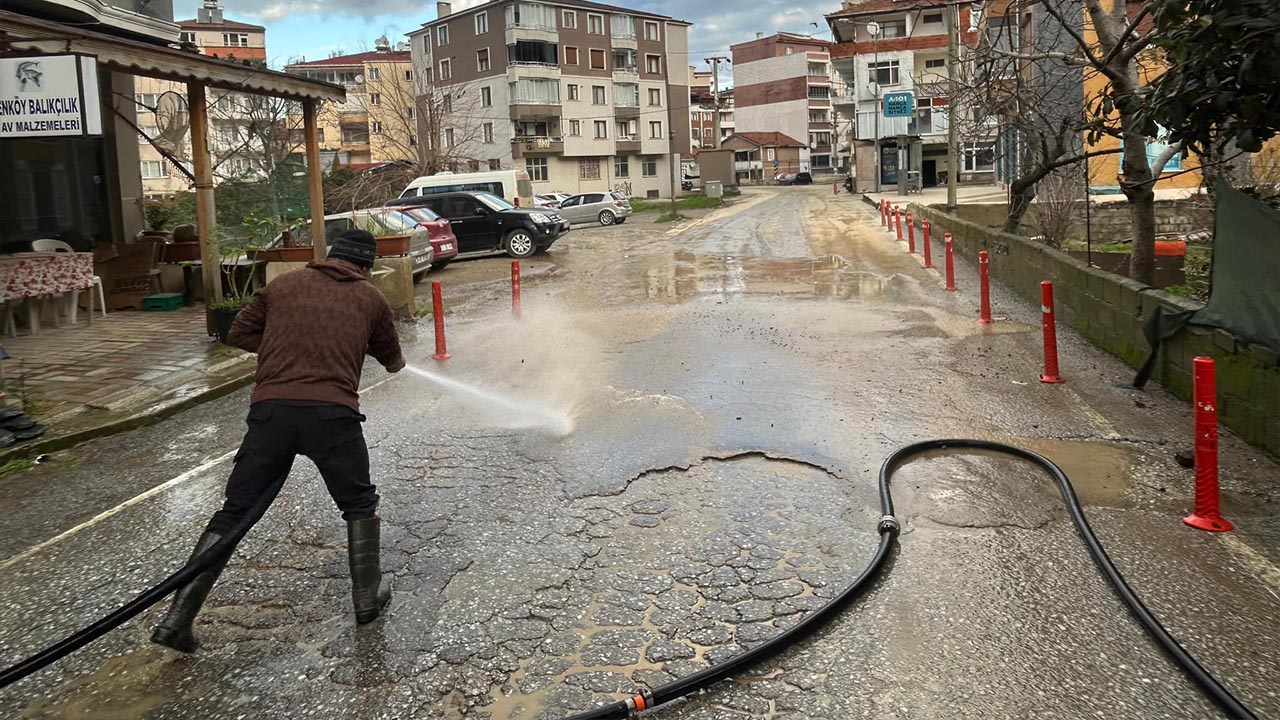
888 523
637 704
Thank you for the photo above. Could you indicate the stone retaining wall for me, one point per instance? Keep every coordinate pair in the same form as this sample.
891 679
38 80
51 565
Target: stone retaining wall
1111 221
1110 311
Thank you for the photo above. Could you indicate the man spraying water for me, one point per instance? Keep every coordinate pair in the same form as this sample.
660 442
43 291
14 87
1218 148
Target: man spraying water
311 330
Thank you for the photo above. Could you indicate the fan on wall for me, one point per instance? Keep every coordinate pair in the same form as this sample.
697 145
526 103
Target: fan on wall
172 123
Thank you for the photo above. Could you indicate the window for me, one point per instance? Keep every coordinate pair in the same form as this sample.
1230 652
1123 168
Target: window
655 129
375 74
883 73
375 99
413 113
589 169
408 75
980 157
819 92
320 135
622 130
569 20
146 132
649 167
482 23
819 139
575 128
376 127
146 101
602 130
655 97
496 164
486 97
537 169
936 64
770 154
597 95
426 43
446 69
624 59
597 59
932 19
473 166
893 28
447 102
235 39
706 132
595 24
482 60
488 132
355 136
442 35
448 137
621 168
187 37
573 92
653 64
651 31
818 116
570 55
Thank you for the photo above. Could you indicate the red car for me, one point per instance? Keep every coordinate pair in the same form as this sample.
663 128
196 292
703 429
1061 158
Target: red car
443 242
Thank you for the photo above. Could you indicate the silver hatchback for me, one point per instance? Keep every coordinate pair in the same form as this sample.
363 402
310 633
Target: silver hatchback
606 208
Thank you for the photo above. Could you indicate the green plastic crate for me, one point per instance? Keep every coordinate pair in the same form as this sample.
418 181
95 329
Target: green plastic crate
162 302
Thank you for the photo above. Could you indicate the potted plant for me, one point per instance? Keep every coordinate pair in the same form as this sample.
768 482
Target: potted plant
238 284
185 246
390 244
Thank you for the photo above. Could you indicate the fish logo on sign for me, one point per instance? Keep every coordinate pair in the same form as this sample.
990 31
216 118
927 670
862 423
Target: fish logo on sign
30 76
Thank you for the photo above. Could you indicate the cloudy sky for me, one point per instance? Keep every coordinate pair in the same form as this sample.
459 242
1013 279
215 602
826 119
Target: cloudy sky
317 28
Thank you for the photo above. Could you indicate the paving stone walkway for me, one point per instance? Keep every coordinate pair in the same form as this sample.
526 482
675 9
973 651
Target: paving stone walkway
81 376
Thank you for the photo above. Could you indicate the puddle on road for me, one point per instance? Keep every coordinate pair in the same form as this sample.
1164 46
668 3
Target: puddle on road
685 275
1100 472
124 688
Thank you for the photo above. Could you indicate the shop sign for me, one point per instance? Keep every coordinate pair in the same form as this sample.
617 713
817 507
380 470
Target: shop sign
49 96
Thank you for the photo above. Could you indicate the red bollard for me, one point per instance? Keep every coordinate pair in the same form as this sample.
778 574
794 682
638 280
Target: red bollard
897 221
911 233
515 289
1206 515
950 263
437 310
928 251
1049 324
884 214
984 288
835 187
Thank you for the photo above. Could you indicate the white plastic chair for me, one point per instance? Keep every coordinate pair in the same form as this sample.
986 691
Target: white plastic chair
74 309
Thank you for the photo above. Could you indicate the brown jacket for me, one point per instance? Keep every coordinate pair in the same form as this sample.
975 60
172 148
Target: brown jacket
311 330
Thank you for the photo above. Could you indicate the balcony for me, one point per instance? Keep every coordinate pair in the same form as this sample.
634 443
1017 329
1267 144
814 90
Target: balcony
533 70
622 31
531 21
536 145
627 75
628 143
842 94
888 126
932 121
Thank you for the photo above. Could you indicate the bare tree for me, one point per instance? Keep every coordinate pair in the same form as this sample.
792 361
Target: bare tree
1062 56
452 126
253 135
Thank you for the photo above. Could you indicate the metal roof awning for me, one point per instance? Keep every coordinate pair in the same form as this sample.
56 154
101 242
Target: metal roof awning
157 61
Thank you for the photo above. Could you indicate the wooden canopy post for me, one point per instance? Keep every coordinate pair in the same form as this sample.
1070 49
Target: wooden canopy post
206 219
315 177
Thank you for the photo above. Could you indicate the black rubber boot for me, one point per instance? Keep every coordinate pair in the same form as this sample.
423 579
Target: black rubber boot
370 591
175 630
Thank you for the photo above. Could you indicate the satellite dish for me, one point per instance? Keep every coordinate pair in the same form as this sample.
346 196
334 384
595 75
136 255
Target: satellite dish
172 123
359 79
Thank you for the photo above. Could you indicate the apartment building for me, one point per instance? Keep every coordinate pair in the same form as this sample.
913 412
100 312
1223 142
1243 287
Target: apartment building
211 34
782 84
891 56
702 110
378 123
584 96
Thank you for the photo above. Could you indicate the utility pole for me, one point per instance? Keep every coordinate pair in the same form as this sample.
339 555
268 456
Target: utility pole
715 61
675 178
953 139
873 28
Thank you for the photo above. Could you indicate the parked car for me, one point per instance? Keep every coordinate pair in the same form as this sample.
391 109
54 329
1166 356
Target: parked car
444 244
549 200
381 222
605 208
686 184
802 178
483 222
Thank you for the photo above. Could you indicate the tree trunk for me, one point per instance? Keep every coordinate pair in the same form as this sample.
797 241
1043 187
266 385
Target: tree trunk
1021 193
1140 191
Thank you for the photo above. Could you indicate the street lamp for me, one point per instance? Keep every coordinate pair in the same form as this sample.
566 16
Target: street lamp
873 29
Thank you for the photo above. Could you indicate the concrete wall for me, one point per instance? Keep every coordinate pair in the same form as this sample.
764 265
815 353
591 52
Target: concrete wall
1111 222
1110 312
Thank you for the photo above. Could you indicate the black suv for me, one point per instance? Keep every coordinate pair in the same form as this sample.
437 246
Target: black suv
484 222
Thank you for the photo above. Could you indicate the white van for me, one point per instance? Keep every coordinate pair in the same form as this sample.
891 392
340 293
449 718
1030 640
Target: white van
513 186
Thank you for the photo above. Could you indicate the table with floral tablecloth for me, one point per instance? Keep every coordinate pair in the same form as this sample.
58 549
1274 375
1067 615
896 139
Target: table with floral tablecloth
34 274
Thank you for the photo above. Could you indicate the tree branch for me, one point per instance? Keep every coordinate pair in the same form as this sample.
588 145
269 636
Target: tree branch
1075 35
1072 60
1128 30
164 153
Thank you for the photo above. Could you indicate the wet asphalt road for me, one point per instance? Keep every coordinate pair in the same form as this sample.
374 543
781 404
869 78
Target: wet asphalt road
734 383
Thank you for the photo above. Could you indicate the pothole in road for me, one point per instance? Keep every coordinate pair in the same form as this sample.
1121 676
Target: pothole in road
687 568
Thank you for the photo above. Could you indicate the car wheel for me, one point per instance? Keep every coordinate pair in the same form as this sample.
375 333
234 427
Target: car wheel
418 277
440 265
606 217
621 220
520 244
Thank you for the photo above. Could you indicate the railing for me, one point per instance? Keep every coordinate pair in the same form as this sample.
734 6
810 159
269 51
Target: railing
888 126
532 64
536 138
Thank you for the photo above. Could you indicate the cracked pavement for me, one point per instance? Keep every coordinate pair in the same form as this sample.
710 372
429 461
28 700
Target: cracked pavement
734 382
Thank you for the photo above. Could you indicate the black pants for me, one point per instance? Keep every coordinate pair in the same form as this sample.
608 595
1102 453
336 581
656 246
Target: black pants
279 431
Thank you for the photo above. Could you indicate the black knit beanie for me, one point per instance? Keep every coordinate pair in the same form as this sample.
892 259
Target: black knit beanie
356 247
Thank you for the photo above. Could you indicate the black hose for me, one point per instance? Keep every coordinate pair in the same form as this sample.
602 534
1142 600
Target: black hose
74 642
888 528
